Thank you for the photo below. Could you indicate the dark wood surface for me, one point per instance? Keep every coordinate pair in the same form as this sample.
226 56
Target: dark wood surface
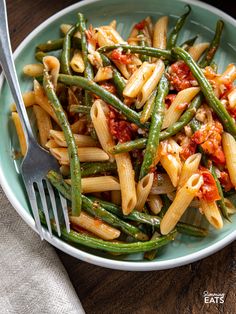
101 290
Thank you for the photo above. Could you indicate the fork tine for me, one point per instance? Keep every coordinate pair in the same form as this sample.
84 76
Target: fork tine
65 212
34 207
54 206
44 204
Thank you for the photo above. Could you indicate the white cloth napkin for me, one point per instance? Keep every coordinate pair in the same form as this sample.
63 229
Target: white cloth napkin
32 278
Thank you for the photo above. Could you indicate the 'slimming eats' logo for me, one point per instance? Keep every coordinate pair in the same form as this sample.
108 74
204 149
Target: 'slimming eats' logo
213 297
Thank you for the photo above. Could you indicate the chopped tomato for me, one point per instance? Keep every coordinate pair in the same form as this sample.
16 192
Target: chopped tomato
121 129
209 137
208 191
123 58
227 88
232 111
140 25
188 150
225 181
169 99
109 87
181 76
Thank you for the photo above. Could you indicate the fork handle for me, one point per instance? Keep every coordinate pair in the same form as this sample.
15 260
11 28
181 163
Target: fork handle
8 67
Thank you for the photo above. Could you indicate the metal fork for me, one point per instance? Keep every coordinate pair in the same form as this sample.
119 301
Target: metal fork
37 161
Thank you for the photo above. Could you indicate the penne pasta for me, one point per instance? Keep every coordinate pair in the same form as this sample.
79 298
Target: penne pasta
232 98
33 69
42 100
79 126
231 209
95 225
65 28
20 132
80 140
197 50
229 147
28 98
77 62
179 104
51 144
85 154
138 79
103 74
150 84
98 184
100 123
183 198
160 33
212 213
190 166
44 124
143 189
127 182
52 64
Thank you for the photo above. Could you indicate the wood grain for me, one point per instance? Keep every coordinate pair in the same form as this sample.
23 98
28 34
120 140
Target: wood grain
101 290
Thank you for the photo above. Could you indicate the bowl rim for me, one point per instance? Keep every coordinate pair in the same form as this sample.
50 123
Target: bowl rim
76 252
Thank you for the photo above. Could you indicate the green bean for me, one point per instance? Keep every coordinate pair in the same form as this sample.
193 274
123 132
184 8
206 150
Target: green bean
172 130
134 215
104 94
142 43
176 30
88 71
188 43
210 52
129 146
79 109
166 204
191 230
207 90
148 51
91 168
109 246
118 80
150 255
72 147
148 107
57 44
95 209
155 127
39 55
221 202
66 50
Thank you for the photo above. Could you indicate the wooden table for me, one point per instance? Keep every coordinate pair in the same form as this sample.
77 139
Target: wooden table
101 290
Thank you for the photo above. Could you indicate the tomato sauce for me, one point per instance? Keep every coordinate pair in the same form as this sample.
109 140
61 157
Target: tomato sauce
208 191
121 57
180 76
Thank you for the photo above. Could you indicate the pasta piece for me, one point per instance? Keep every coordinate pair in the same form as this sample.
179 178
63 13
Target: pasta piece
155 203
127 182
100 123
79 126
183 198
51 144
190 166
52 64
98 184
77 62
112 34
172 166
133 39
138 79
229 147
103 74
20 132
143 189
85 154
44 124
65 28
33 69
95 225
228 76
212 213
232 98
160 33
80 140
183 98
150 84
113 24
28 98
122 68
42 100
162 185
197 50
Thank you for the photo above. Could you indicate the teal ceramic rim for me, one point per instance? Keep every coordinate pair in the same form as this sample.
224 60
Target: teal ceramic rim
76 252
